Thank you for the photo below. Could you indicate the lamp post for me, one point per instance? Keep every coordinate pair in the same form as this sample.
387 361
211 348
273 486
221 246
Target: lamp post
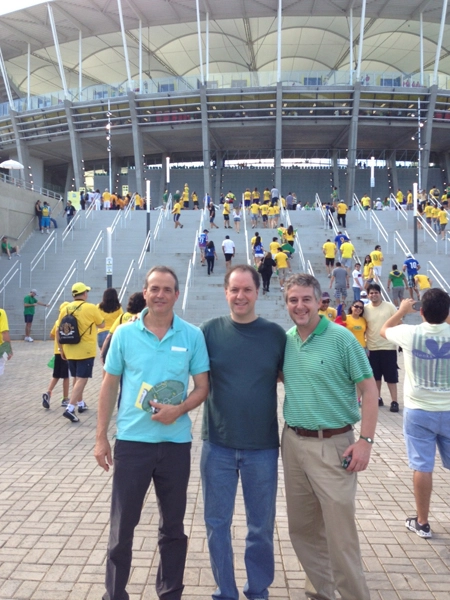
417 187
147 203
108 139
168 174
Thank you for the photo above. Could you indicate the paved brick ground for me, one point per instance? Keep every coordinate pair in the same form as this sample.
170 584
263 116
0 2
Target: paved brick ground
54 507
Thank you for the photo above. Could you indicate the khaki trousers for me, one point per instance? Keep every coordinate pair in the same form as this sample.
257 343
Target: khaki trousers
320 496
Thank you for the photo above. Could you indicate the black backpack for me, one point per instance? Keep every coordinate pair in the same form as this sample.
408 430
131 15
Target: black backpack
68 330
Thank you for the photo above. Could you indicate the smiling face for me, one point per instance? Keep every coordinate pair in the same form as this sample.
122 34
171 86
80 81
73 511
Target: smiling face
159 294
241 294
303 308
375 297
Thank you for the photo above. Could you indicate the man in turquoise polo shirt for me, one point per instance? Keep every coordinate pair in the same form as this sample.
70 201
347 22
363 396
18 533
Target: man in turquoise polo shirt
154 356
324 365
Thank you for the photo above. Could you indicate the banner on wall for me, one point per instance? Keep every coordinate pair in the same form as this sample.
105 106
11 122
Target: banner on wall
74 197
125 189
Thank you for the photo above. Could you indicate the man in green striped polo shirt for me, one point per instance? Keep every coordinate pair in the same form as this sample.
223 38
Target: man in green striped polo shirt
324 368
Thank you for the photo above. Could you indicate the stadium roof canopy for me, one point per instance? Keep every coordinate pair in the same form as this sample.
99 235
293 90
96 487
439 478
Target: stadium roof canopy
242 38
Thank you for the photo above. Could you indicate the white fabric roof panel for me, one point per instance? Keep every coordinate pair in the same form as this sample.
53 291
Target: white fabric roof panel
315 36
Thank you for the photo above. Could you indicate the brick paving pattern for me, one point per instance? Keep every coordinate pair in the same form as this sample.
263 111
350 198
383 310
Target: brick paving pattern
54 508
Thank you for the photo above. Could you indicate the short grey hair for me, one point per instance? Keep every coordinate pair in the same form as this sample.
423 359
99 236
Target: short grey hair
303 280
162 269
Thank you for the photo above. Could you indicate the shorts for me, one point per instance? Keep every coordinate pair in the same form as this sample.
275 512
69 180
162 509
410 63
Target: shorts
101 337
282 273
411 282
81 368
28 318
236 219
265 218
443 226
211 219
176 218
423 431
45 222
254 217
377 271
397 292
384 365
428 220
347 262
247 203
61 368
259 254
338 292
422 292
329 262
226 217
228 257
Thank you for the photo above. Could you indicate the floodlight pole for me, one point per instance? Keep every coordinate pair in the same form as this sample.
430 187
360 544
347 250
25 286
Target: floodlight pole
147 202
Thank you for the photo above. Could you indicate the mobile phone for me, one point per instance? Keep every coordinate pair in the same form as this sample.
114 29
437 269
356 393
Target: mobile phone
346 461
417 305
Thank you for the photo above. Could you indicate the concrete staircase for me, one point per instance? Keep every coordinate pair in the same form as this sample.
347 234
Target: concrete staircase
175 248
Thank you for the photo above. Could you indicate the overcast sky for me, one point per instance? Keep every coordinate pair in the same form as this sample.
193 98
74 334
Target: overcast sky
6 7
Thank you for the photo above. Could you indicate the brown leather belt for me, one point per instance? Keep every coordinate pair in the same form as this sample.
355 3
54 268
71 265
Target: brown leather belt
321 433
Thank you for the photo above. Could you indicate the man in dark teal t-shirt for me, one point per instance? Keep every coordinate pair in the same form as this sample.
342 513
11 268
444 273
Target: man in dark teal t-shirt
240 433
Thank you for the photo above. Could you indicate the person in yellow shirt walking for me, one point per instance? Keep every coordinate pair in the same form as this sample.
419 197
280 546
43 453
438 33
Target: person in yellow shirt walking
247 199
254 211
377 260
137 201
283 264
435 217
365 202
226 214
106 197
342 209
329 251
176 211
185 197
409 200
347 252
443 220
423 282
265 215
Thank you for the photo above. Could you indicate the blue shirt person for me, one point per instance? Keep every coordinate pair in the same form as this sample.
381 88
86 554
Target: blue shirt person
411 266
154 356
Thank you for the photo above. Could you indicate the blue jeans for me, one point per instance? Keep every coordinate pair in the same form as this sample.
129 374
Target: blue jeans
220 470
356 294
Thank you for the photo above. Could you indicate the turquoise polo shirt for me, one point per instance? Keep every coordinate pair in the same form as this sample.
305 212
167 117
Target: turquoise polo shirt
320 377
163 367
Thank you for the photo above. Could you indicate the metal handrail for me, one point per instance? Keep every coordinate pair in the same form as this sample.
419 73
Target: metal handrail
427 229
380 227
168 206
129 207
400 209
157 228
92 251
16 268
309 268
384 292
360 207
438 277
58 292
29 186
249 262
115 222
126 281
144 251
186 287
355 254
88 213
70 227
401 242
53 237
327 217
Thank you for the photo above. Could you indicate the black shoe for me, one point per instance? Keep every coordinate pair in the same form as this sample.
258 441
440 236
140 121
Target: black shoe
380 402
423 531
46 400
394 406
71 416
82 409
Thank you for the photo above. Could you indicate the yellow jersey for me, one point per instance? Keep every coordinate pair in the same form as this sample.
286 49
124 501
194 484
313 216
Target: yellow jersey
358 328
443 217
247 195
267 195
265 209
329 249
176 209
422 281
273 247
254 208
88 317
330 313
347 249
282 260
377 258
342 208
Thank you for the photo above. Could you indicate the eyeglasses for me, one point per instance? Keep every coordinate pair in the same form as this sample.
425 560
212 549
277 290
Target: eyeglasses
358 306
325 302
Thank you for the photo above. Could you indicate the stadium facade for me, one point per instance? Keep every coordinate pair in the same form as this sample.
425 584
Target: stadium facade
207 81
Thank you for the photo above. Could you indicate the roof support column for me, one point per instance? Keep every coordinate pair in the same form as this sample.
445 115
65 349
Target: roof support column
439 43
199 35
6 80
421 47
446 160
140 56
279 19
207 48
351 45
361 40
205 142
124 43
335 167
163 179
29 77
138 146
278 136
22 148
352 144
80 65
69 179
75 147
425 136
58 52
219 167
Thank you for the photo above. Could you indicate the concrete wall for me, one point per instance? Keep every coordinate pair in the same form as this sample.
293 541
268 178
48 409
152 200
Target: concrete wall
17 208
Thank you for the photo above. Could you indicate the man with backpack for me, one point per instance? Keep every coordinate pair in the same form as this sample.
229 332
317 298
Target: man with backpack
77 341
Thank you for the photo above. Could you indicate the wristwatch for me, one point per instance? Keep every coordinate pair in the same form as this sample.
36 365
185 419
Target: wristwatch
367 439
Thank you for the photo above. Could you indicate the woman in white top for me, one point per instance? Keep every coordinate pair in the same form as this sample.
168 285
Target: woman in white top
237 219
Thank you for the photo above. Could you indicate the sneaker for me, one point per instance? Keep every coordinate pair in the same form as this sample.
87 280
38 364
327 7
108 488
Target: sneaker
71 416
380 402
64 402
82 409
394 406
46 400
423 531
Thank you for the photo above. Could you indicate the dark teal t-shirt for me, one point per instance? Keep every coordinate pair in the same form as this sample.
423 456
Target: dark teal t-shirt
241 409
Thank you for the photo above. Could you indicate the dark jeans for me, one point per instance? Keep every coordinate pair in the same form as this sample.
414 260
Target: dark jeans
136 465
266 275
210 261
342 220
